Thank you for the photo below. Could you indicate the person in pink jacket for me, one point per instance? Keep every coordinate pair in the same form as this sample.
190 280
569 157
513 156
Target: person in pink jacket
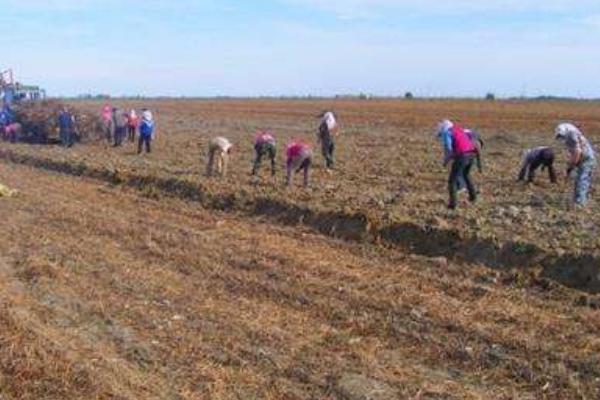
107 122
299 157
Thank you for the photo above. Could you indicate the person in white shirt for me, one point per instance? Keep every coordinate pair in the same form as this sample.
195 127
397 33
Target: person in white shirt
219 150
582 159
328 130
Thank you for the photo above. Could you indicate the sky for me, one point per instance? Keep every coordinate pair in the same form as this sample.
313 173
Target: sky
304 47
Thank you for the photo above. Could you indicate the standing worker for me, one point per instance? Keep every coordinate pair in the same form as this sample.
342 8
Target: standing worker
460 149
146 132
219 148
66 127
133 122
328 129
299 157
107 123
582 159
264 145
535 158
120 126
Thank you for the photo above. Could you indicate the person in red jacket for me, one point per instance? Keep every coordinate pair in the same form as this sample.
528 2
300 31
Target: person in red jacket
133 122
462 152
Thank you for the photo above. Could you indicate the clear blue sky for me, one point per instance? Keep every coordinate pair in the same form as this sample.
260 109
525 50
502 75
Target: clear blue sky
296 47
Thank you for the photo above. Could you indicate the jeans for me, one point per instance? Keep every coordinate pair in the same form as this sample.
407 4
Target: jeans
583 180
461 169
144 141
66 137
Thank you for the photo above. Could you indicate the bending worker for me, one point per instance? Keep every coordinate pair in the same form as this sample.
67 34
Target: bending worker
535 158
264 145
219 150
582 159
299 158
328 129
460 149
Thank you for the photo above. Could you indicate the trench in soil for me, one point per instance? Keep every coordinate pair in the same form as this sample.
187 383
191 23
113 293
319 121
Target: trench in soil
579 271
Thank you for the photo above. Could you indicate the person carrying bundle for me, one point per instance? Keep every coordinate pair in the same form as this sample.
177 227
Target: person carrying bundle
535 158
219 150
264 145
460 149
328 130
299 158
582 159
146 132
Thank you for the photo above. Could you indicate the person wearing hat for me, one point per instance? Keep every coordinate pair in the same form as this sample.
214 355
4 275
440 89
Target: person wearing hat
219 149
146 132
328 130
582 159
535 158
264 145
299 158
460 149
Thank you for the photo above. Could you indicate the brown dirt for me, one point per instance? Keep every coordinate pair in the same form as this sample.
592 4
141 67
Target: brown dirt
118 291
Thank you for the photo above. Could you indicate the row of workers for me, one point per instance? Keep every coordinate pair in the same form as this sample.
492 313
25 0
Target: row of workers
299 155
119 124
462 147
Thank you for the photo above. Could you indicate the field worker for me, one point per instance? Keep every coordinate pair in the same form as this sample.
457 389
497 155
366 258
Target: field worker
582 159
3 122
328 129
66 128
535 158
458 148
264 145
219 148
12 132
133 122
299 157
120 126
146 132
107 123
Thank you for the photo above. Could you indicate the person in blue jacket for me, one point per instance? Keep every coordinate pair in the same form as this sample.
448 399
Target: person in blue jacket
146 132
66 127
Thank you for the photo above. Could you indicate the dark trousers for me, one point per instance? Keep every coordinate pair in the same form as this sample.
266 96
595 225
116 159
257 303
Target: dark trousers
461 169
66 137
144 141
120 132
544 160
131 130
261 150
327 145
